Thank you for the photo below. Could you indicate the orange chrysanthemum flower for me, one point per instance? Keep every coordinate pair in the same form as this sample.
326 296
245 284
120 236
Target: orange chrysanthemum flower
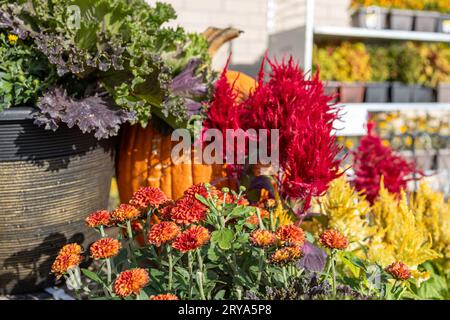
99 218
105 248
125 212
167 296
64 262
291 235
131 282
286 255
333 239
163 232
188 210
191 239
399 271
262 238
71 248
147 197
253 219
199 189
165 210
137 226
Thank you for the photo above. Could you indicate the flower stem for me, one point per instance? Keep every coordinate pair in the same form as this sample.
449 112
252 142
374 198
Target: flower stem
260 267
261 224
190 273
129 230
102 232
169 257
200 284
333 273
285 277
108 269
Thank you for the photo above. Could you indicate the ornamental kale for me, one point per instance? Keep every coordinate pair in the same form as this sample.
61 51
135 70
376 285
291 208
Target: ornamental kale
93 113
121 46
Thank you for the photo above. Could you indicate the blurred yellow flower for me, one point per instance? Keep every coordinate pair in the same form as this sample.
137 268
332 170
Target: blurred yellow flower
347 212
349 144
403 129
12 38
432 210
401 236
282 216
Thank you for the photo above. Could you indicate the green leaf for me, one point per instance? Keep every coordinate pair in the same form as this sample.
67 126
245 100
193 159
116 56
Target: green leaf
219 295
224 238
202 199
310 237
92 275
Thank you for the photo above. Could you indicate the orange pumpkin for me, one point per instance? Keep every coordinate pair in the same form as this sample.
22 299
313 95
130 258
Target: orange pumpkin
145 157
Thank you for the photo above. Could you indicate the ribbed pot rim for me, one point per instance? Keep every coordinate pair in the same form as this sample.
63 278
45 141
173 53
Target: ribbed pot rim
17 113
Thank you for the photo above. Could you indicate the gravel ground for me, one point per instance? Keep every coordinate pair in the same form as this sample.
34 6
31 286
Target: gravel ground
46 294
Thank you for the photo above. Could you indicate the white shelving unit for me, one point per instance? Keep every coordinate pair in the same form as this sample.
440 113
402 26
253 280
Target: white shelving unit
361 33
354 116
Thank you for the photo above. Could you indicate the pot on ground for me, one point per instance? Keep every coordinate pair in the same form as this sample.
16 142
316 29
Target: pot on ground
423 94
401 93
377 92
49 182
352 92
426 21
370 17
444 23
443 92
401 19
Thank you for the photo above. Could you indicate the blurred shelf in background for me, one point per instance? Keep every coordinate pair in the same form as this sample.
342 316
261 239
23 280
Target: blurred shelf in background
329 32
354 115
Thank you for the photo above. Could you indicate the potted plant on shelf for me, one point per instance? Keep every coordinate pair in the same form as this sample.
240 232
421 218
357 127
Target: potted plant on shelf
328 70
436 69
405 72
402 13
370 14
84 73
378 89
426 19
353 70
443 7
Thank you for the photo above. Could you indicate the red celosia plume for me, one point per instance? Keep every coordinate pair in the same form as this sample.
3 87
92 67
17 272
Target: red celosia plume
373 160
304 116
302 113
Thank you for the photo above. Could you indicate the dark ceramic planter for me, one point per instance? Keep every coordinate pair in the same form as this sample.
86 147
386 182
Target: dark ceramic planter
49 182
370 18
423 94
377 92
401 93
401 19
444 23
426 21
443 92
352 92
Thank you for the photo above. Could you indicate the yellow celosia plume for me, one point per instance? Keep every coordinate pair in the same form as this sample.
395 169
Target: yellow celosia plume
401 235
432 210
347 212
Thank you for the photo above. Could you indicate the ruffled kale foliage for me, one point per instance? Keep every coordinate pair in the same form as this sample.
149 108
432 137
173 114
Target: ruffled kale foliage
93 113
122 45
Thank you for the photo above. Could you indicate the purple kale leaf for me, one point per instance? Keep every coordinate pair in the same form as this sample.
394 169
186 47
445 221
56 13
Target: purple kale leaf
313 258
187 83
96 113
